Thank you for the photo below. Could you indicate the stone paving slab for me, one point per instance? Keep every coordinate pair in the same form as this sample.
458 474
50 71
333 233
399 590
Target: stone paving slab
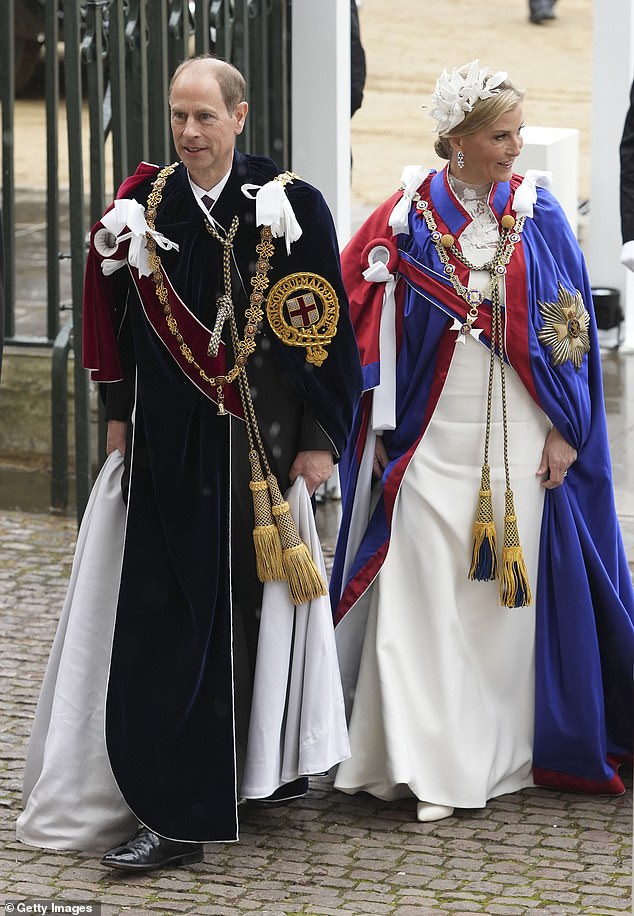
535 852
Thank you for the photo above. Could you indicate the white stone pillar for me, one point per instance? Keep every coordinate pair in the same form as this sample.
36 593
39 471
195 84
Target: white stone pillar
613 56
320 102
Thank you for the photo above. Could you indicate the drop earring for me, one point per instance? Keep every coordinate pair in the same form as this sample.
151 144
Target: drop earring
460 159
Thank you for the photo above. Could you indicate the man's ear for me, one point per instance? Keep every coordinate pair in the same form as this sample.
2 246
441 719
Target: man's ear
240 116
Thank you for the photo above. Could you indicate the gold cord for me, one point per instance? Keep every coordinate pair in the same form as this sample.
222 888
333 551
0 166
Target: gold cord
254 314
514 586
280 552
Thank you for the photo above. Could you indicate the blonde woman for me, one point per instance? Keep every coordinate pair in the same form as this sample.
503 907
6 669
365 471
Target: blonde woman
481 592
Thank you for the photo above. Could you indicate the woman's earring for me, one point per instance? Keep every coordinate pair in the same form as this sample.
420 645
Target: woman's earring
460 159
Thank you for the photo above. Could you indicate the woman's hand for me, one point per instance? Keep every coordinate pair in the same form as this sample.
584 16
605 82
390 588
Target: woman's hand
380 457
116 436
557 456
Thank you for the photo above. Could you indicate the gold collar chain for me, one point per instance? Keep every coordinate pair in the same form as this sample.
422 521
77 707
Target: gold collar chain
514 587
254 313
496 267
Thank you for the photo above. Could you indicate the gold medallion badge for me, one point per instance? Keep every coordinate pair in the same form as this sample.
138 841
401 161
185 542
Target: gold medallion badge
565 329
303 311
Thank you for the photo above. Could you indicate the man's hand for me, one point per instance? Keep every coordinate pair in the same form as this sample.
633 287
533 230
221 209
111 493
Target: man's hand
116 436
314 466
557 456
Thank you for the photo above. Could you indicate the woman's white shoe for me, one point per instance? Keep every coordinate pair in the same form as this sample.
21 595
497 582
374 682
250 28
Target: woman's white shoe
425 811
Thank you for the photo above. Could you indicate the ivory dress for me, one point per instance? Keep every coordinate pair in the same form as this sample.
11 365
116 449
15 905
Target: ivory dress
444 702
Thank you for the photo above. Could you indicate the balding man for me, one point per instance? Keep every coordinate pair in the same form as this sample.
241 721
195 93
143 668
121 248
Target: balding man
229 368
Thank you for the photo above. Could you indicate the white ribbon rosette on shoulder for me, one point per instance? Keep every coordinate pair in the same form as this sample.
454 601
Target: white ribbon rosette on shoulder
525 196
126 221
273 208
411 179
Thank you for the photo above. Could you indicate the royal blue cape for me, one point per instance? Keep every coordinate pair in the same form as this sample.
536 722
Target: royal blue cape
584 595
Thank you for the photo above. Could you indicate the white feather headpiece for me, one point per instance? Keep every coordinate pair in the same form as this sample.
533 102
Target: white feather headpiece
457 92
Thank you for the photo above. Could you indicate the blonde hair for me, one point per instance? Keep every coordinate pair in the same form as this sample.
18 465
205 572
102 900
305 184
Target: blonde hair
483 113
229 79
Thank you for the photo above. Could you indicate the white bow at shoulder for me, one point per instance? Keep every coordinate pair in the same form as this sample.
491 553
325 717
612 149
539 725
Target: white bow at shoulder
411 180
131 214
273 208
526 194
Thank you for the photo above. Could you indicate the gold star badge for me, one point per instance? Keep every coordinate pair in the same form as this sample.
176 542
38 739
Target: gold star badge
565 329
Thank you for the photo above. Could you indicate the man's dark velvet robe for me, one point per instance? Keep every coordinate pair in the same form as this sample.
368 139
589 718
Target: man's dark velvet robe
186 627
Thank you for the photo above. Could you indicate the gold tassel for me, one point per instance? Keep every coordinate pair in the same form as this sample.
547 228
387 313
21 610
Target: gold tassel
484 561
304 580
266 538
515 590
303 577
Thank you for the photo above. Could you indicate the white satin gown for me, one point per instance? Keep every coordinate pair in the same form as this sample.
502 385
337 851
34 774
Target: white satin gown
444 704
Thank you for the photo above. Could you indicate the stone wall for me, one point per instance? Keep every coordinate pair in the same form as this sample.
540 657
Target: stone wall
26 429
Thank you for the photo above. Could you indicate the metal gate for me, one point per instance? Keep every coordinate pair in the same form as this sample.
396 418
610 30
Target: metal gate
117 57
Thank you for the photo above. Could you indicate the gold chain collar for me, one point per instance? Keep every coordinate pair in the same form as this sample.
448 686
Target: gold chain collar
496 267
280 552
514 588
254 314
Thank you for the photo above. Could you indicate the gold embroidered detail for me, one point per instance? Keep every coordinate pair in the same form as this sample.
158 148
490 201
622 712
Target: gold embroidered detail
285 178
303 310
565 329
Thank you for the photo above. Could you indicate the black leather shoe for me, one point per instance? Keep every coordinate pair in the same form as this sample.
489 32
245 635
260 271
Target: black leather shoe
147 851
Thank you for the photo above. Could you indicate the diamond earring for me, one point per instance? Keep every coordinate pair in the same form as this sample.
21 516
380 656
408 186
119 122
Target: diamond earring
460 159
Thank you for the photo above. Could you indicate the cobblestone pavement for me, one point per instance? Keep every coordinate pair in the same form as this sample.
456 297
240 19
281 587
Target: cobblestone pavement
537 851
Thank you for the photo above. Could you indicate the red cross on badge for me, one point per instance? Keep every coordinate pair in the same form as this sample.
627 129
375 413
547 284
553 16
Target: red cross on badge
302 311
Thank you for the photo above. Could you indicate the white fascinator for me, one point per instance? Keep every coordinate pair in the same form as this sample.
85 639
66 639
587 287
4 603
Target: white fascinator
457 92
